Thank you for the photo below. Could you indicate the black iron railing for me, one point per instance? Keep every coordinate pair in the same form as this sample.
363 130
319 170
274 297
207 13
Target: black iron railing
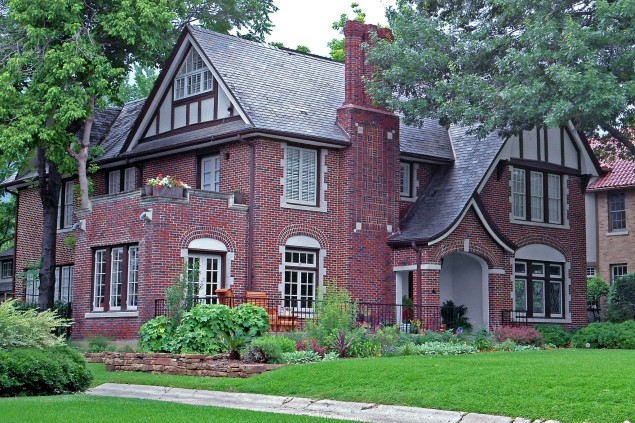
283 317
513 318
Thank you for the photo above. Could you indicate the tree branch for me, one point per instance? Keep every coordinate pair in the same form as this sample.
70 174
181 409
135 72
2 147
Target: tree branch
619 136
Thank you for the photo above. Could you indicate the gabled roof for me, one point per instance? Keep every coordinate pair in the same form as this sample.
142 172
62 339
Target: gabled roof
8 253
448 193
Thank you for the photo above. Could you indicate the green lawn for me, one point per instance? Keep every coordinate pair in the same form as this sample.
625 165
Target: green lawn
89 409
567 385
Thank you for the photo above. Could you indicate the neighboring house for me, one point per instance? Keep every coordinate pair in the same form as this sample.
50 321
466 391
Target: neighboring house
335 189
611 220
6 272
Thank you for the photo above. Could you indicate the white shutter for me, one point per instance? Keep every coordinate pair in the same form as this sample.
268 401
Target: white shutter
293 174
308 177
114 182
130 179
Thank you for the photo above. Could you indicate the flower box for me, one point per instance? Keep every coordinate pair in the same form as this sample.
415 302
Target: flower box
169 192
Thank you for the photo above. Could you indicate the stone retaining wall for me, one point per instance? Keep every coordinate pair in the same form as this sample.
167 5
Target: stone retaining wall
178 364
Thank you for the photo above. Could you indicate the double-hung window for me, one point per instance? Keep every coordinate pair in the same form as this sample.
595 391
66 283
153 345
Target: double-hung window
301 176
65 207
210 173
539 288
193 77
63 291
116 278
32 286
122 180
7 270
537 196
618 270
300 278
405 179
617 212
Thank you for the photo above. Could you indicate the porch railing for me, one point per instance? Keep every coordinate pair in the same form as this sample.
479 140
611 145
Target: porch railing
514 318
292 315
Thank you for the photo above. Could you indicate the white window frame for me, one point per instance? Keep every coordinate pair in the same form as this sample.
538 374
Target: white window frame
193 77
618 270
116 278
7 269
300 268
32 287
133 278
591 272
305 179
612 202
405 179
66 205
213 171
130 179
114 182
519 192
64 283
99 280
545 208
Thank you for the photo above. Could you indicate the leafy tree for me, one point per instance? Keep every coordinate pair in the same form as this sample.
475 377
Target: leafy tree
140 86
621 302
337 45
300 48
509 65
60 59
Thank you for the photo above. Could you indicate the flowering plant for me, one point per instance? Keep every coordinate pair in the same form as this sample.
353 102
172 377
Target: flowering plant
166 181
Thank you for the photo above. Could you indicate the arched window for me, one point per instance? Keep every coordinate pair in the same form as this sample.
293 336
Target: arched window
540 282
301 261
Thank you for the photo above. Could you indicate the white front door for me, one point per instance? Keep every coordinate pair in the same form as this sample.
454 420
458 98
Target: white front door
208 270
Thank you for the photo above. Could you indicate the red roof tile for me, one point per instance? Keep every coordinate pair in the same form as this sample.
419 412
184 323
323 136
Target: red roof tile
620 166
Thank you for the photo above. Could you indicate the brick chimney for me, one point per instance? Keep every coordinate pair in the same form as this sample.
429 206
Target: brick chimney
369 173
357 34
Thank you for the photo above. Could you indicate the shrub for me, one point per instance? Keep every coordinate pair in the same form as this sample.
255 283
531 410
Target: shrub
621 302
521 335
29 328
300 357
335 313
454 316
310 344
554 335
595 288
100 343
606 335
483 340
506 345
438 348
48 371
157 335
205 329
366 345
270 348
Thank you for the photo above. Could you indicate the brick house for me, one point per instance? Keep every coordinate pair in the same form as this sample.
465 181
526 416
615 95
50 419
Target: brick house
334 188
611 220
6 272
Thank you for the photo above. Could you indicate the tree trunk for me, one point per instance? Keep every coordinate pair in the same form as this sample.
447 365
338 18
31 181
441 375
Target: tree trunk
82 157
50 183
619 136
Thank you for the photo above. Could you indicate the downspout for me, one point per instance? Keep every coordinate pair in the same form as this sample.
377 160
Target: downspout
250 213
15 240
419 280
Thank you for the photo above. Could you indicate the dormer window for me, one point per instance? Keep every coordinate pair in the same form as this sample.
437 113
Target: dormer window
193 78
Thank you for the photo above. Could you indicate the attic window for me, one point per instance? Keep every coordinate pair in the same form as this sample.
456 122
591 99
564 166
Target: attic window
193 77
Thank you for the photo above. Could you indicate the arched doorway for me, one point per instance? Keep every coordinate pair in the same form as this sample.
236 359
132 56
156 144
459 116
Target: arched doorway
463 279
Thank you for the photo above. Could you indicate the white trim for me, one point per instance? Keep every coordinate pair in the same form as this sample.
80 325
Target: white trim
424 266
321 185
302 241
496 271
169 75
207 244
111 314
617 233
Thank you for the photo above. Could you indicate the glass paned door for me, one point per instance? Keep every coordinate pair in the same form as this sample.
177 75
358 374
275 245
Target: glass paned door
205 271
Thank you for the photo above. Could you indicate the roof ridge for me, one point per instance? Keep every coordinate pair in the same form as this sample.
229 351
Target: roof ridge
266 45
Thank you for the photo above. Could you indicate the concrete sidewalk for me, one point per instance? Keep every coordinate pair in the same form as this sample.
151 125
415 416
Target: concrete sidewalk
358 411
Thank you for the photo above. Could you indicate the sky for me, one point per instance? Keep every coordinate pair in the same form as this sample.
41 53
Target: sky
308 22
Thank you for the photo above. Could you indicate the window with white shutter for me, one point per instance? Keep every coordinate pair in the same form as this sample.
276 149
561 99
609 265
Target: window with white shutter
301 176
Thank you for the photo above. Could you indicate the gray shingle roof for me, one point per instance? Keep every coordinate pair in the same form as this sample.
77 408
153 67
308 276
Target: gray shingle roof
120 129
278 89
431 140
7 253
449 191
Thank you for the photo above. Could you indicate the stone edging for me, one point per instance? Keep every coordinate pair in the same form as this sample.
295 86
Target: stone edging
178 364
